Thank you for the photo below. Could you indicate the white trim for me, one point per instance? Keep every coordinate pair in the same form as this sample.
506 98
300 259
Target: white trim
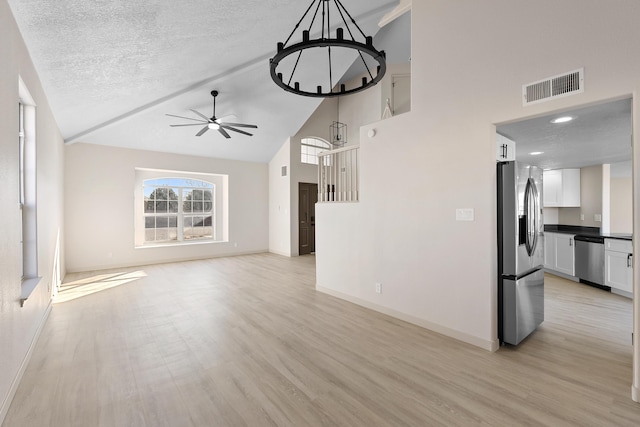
27 288
203 241
158 262
635 394
24 94
23 366
401 9
443 330
281 253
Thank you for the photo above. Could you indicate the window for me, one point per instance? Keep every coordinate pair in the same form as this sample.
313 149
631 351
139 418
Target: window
21 184
180 207
310 147
27 185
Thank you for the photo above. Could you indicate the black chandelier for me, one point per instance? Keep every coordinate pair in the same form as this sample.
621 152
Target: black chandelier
364 47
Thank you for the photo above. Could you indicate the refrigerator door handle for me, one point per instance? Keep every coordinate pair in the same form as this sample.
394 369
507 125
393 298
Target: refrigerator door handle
532 222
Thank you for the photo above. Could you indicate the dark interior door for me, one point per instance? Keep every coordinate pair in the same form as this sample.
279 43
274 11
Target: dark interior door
307 198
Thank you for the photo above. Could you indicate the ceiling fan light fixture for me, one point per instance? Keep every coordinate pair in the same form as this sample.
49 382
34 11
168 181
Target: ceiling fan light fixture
349 37
221 125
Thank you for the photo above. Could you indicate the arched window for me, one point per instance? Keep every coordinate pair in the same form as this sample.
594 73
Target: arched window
310 147
178 209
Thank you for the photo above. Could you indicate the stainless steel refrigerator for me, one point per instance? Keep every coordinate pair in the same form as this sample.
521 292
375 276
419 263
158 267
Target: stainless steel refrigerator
520 251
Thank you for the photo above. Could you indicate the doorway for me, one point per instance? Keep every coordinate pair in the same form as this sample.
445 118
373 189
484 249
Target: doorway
307 199
585 139
400 93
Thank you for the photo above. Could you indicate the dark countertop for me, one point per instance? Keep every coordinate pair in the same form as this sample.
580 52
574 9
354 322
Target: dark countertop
585 231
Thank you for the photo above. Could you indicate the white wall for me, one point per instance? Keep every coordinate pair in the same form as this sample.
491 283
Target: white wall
99 207
621 205
355 110
280 202
551 215
469 62
590 200
19 327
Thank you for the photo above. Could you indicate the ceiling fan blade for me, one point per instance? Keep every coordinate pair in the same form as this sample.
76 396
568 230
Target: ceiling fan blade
235 130
187 118
187 124
240 125
201 115
203 130
224 133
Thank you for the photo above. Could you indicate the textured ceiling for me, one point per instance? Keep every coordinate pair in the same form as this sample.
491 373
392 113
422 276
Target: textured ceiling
112 69
598 134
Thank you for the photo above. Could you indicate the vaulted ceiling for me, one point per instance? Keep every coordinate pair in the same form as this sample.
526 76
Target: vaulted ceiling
112 69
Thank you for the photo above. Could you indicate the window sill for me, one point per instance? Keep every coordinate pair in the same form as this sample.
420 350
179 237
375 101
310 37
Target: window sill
28 286
177 244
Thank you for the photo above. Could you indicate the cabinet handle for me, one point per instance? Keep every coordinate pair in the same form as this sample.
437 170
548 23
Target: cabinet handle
570 242
629 261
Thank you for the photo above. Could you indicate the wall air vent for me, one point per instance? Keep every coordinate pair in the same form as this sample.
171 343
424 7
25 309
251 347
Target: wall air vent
553 87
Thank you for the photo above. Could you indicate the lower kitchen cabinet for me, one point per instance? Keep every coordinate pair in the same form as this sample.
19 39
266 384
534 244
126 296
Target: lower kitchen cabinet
559 252
618 266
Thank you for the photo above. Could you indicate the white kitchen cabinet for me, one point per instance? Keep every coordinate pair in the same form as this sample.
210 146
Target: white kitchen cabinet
559 252
561 188
565 254
549 250
505 149
618 265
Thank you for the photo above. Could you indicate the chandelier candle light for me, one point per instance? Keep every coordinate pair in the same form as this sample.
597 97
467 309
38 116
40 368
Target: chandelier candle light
356 41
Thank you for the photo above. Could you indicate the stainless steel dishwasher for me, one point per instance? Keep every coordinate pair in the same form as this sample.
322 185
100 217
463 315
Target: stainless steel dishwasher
590 259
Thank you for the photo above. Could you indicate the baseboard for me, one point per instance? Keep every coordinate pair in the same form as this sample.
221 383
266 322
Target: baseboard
443 330
563 275
622 293
87 269
23 366
281 253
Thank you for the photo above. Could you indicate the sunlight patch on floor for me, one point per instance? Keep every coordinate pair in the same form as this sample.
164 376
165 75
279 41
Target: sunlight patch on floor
91 285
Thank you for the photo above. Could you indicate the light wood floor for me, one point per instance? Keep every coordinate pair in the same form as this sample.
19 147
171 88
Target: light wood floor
247 341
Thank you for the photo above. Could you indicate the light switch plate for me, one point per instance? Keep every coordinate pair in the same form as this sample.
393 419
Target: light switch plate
465 214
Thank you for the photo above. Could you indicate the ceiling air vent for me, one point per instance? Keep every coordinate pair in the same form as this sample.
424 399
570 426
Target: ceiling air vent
553 87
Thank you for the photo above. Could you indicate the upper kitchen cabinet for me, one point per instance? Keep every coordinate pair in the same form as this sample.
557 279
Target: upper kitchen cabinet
561 188
505 149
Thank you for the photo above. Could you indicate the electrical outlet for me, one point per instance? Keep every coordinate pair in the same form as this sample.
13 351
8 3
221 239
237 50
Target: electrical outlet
378 288
581 217
597 218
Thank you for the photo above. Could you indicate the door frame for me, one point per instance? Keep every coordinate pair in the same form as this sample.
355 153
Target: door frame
313 187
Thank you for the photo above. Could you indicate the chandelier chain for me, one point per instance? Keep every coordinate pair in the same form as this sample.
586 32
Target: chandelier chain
338 2
300 22
313 20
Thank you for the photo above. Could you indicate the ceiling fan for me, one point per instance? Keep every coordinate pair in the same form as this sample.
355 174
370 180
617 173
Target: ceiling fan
213 122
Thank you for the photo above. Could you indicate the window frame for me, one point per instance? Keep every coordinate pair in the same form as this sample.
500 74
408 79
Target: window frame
27 193
311 150
220 208
180 215
27 186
